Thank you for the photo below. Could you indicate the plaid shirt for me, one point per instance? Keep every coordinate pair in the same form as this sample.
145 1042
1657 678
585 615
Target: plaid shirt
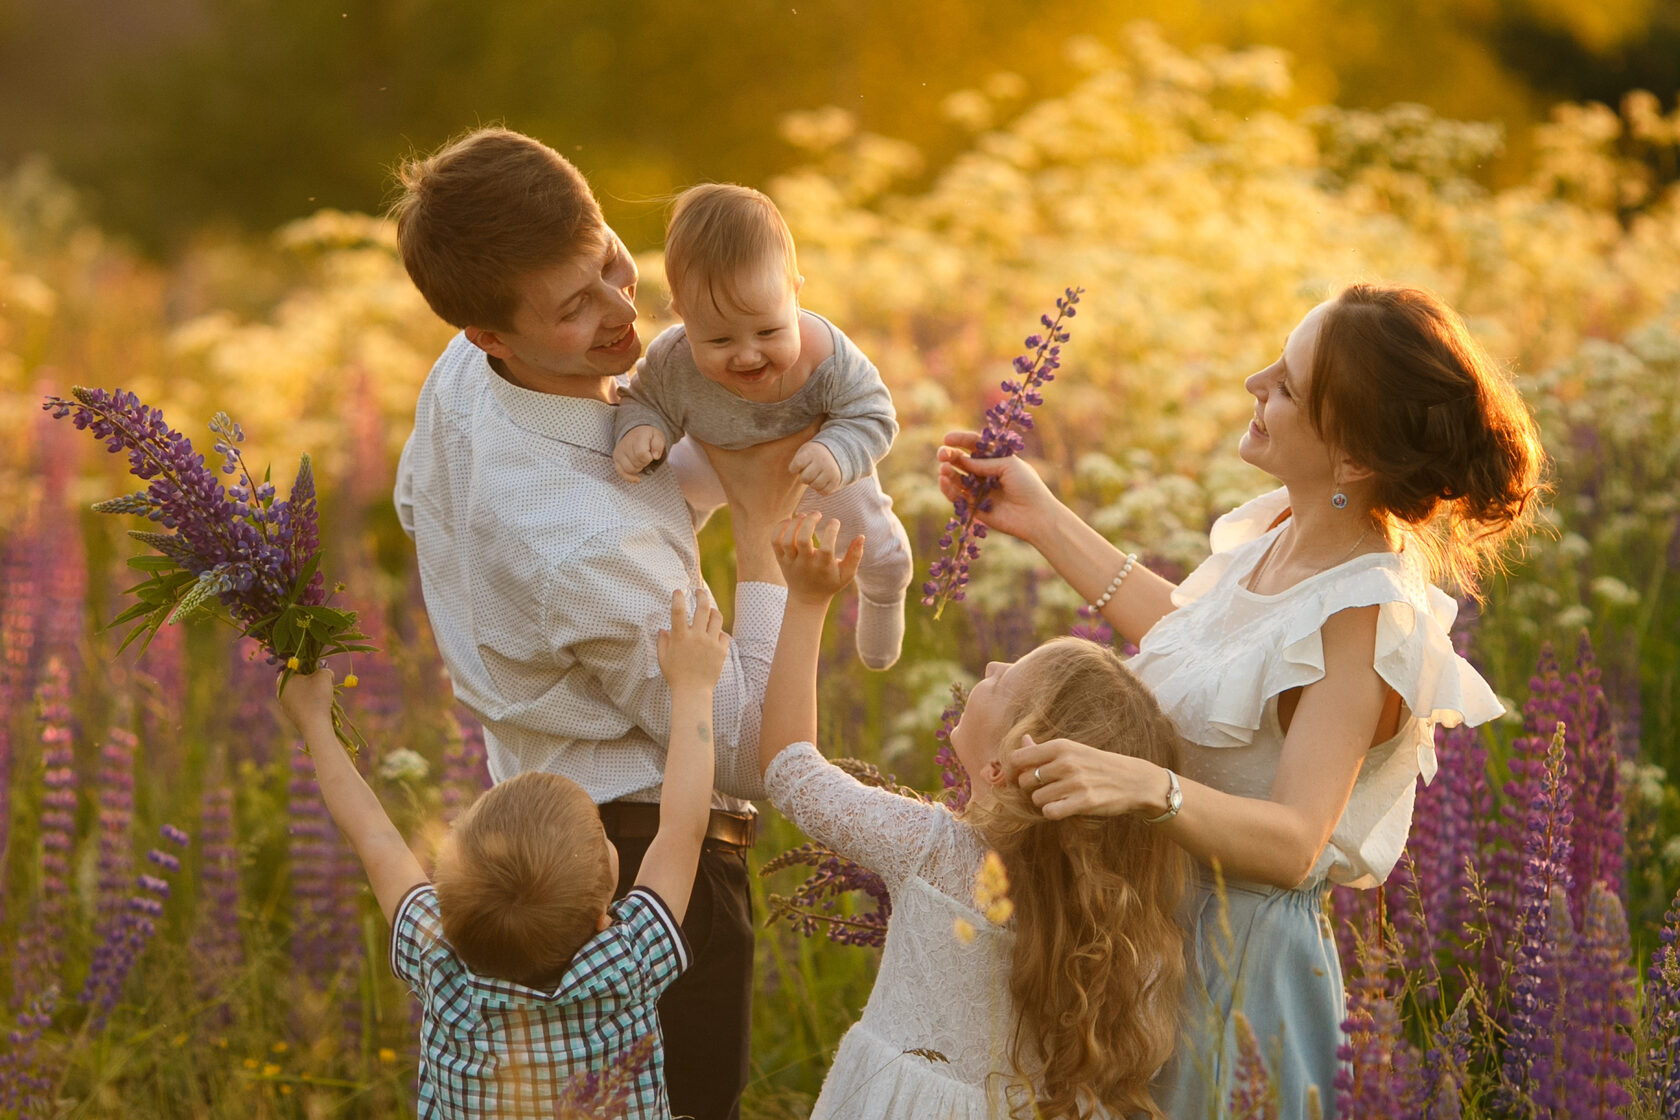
497 1048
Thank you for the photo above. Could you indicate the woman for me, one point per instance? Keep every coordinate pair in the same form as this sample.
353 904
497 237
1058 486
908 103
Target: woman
1306 662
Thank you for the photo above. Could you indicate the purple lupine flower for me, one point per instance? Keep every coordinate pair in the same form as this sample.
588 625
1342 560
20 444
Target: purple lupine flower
115 957
814 903
19 607
27 1076
1446 1067
251 717
1358 924
1542 712
1378 1074
602 1094
1600 834
41 951
1602 993
114 795
239 546
953 779
216 940
1662 1017
465 771
325 932
1253 1096
1452 825
1536 996
1416 935
1001 436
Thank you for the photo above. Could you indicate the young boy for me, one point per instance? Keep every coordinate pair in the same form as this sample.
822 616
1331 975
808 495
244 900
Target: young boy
747 365
528 974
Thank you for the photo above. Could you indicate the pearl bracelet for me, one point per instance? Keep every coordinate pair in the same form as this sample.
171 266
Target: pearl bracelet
1119 578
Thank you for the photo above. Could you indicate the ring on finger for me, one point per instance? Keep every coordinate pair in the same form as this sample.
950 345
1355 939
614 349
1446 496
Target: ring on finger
1038 775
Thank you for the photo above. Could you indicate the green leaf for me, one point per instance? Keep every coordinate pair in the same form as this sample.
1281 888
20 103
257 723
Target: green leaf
310 567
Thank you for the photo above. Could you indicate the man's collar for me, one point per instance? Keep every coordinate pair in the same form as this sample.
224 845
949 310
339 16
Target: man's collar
576 420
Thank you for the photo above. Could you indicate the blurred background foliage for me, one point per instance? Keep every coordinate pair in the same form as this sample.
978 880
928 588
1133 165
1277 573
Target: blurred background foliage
175 114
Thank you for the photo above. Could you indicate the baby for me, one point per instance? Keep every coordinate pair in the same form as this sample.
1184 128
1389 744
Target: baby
528 973
747 366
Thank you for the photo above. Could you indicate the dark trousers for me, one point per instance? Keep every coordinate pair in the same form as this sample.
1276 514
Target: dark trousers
706 1014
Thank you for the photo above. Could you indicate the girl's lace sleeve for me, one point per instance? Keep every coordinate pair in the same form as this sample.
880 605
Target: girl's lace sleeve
884 831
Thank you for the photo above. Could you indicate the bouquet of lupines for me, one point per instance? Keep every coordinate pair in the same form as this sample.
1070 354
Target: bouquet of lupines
1000 438
235 552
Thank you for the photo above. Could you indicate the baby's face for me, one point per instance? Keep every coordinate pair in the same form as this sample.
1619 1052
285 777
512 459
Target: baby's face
747 344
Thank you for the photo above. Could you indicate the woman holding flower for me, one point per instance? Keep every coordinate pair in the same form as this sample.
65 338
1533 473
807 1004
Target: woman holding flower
1306 662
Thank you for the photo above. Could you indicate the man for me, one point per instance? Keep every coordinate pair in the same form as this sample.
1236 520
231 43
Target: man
546 576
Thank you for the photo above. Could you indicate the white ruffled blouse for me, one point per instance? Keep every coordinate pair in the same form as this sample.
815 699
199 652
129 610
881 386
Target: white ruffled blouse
1218 663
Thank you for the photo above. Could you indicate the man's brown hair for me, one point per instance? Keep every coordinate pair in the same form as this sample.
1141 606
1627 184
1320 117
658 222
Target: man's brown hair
481 213
717 232
523 878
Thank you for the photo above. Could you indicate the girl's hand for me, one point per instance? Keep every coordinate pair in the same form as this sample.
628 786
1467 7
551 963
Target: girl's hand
307 698
1021 504
813 572
691 654
1067 778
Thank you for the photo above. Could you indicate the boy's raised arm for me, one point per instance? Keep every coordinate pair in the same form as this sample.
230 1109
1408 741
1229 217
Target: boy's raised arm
391 868
691 655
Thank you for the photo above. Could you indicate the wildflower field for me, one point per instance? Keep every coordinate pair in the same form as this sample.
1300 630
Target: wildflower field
186 934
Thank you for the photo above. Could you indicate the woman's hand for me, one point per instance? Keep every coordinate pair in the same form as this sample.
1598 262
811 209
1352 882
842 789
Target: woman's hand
1021 505
1067 778
806 554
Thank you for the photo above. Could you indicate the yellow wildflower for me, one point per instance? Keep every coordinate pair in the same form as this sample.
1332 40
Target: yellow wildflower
350 680
292 662
991 890
387 1055
279 1047
269 1069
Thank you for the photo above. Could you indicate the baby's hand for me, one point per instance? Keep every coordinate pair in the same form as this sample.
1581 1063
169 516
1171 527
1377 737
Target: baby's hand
814 573
816 467
306 698
640 446
691 654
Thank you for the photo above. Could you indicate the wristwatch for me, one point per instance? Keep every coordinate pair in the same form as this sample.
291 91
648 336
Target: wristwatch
1175 801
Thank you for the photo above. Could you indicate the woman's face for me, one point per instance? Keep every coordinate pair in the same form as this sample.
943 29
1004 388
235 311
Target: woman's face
990 709
1281 439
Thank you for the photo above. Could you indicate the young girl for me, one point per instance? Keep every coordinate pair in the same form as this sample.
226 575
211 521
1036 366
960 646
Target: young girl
1068 1007
1307 661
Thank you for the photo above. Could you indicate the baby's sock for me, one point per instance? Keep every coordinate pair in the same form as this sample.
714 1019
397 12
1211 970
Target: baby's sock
880 631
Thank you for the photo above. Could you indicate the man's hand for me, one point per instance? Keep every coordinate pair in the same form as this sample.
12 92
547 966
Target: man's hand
816 467
813 572
691 654
762 492
640 446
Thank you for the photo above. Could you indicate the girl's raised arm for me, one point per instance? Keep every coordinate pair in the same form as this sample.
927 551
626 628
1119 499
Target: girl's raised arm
814 574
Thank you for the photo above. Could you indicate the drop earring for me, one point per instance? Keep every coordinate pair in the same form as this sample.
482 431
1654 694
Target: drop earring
1339 499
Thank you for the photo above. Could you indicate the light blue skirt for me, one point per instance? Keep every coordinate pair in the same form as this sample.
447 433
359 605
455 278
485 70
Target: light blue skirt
1269 954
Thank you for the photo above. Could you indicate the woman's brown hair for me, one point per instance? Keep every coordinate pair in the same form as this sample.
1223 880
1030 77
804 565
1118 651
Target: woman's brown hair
1399 384
1098 962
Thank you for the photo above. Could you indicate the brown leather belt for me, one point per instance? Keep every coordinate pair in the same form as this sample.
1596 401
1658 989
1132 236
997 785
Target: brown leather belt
639 820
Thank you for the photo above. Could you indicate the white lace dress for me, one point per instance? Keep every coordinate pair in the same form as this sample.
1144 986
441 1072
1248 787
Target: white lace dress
932 1043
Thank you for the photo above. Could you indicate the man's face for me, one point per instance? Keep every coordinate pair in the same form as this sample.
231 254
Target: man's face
574 320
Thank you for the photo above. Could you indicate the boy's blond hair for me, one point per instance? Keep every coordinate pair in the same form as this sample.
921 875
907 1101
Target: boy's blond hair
719 232
483 212
523 878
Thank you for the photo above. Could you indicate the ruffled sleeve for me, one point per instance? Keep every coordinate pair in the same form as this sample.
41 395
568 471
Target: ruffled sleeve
1219 665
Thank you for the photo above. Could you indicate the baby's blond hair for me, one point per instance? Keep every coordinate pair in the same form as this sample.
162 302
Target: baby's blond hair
719 232
523 878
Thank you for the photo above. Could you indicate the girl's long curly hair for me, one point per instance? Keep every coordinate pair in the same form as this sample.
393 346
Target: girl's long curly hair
1098 962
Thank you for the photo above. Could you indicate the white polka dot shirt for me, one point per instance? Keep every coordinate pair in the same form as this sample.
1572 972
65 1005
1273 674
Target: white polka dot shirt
547 579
